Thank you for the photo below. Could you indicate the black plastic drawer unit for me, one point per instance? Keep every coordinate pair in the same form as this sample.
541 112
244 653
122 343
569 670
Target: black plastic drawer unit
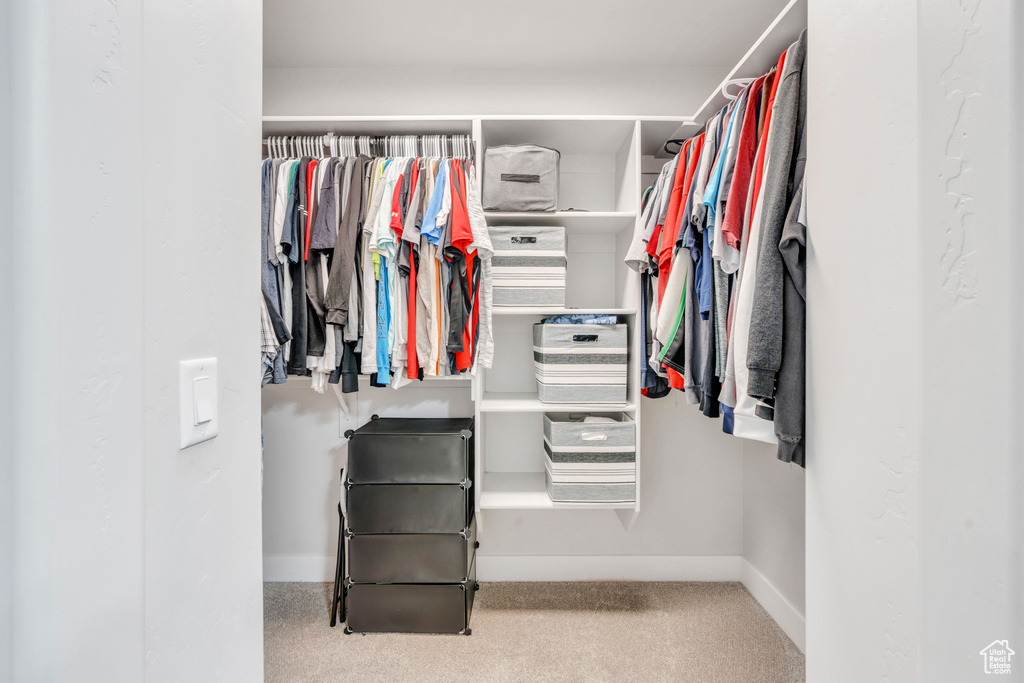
411 451
411 558
410 526
408 508
411 607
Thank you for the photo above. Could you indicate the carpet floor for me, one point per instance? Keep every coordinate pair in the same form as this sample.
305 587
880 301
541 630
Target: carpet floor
579 631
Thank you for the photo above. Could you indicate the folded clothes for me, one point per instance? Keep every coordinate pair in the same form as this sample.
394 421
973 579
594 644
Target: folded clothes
582 319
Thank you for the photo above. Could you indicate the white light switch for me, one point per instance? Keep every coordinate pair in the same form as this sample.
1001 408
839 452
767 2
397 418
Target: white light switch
197 401
202 395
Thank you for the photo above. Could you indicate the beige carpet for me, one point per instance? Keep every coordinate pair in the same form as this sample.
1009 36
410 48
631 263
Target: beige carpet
583 631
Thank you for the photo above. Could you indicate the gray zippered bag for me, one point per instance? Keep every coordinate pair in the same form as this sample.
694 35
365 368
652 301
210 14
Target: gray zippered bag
520 178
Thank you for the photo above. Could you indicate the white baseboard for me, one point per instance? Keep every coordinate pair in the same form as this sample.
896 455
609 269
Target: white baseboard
608 567
775 603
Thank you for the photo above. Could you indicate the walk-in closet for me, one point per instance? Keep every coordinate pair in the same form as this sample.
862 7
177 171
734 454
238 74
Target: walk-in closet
556 341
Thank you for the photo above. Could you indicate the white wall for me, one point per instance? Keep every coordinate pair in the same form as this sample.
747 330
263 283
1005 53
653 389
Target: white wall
863 341
773 536
203 576
6 348
78 304
416 90
969 192
304 453
692 479
133 561
913 494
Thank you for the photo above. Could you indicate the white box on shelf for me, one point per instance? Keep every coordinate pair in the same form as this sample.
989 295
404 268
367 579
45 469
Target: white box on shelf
580 363
529 265
590 461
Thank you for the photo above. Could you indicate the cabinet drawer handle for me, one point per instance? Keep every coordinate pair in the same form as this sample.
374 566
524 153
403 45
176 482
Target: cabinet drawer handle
593 436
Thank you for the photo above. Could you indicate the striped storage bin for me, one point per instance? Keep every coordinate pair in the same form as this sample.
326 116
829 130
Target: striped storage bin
580 363
528 266
590 461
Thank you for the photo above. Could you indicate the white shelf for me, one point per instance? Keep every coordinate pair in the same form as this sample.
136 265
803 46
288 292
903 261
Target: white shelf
367 125
607 222
543 311
527 491
528 402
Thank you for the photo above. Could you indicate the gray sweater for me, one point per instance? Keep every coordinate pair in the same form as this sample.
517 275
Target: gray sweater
339 283
789 390
764 351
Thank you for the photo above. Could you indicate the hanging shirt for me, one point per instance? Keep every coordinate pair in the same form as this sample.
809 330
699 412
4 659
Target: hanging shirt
430 229
735 205
485 250
746 421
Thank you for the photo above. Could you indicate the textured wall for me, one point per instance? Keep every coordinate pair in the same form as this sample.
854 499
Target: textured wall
135 134
863 343
913 491
970 572
78 306
204 607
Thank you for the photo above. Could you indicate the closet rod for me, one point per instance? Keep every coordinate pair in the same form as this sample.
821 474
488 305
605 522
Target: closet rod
446 145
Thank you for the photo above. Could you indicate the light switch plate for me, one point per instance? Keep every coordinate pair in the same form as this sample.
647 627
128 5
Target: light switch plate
197 400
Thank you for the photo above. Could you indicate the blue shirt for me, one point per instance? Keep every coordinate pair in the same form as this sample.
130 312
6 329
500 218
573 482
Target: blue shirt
429 228
383 325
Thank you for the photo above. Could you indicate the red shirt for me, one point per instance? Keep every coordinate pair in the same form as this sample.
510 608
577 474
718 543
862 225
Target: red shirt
396 208
309 203
462 233
673 223
735 203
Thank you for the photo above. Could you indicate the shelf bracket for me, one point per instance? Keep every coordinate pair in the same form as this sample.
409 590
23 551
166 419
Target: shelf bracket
627 517
345 410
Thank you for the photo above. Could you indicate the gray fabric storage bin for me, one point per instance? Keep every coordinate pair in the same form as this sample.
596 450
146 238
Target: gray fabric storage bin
528 266
580 363
520 178
590 462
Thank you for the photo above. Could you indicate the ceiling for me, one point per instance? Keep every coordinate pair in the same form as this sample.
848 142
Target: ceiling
567 34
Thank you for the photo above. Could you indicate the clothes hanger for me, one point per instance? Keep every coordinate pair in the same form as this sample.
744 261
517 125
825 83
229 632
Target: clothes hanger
742 82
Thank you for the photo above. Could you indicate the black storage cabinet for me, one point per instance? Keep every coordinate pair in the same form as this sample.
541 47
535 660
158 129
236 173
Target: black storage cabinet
410 526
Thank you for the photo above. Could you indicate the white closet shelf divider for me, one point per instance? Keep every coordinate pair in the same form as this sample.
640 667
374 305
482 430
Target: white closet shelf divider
605 222
528 491
528 402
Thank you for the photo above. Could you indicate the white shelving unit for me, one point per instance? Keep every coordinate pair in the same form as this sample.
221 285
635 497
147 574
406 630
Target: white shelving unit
599 178
600 181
